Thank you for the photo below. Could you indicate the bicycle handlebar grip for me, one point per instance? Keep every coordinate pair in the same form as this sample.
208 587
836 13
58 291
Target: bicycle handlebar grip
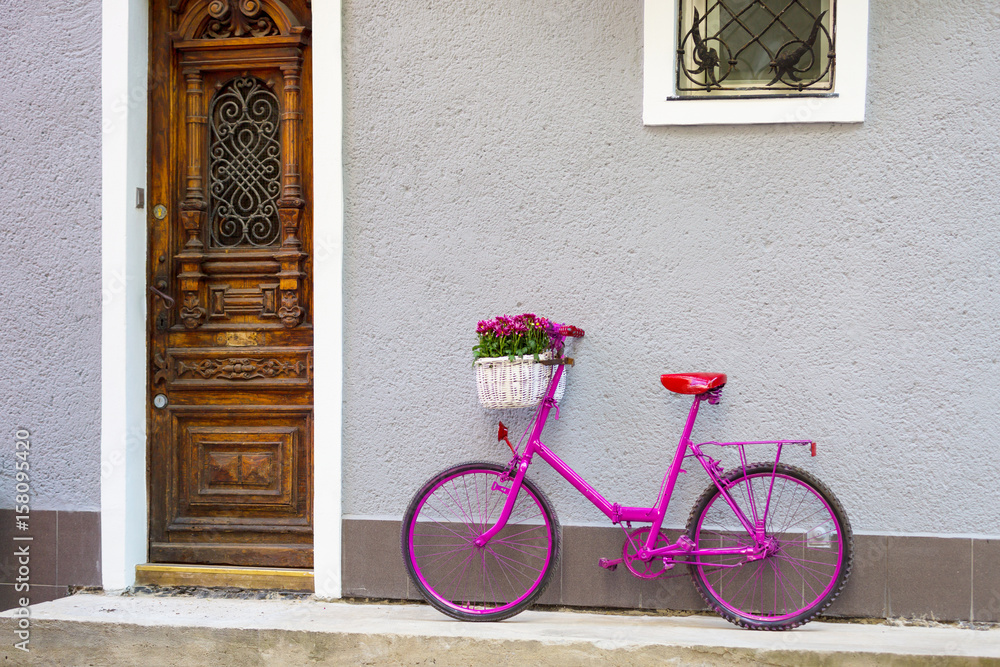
570 331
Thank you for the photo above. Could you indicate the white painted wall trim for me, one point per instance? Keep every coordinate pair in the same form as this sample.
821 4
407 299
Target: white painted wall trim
124 65
659 57
124 49
328 300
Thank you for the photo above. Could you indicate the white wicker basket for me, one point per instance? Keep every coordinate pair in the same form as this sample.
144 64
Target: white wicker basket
521 383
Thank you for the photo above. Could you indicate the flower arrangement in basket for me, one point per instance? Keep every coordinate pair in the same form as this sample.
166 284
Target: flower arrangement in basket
508 369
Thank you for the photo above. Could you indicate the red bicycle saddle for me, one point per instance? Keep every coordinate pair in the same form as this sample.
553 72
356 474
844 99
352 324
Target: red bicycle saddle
693 383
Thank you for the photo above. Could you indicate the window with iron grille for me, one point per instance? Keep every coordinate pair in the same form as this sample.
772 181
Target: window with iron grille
757 47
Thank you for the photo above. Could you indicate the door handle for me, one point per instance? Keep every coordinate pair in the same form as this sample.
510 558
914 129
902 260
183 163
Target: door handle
167 299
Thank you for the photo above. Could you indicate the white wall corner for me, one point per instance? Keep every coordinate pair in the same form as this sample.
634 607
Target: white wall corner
124 48
659 58
328 300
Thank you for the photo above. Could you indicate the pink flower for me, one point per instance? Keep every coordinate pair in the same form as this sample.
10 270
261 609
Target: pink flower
524 334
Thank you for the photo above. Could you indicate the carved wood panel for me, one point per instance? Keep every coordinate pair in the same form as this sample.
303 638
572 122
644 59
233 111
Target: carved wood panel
226 302
262 367
229 466
230 242
245 486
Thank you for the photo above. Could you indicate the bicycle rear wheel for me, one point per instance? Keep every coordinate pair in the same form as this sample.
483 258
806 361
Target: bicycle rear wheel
472 583
808 547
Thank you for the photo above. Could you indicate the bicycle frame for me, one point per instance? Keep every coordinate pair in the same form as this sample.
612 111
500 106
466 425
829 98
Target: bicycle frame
754 525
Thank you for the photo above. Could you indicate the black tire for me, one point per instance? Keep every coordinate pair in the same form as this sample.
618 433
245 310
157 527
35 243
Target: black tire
828 543
518 565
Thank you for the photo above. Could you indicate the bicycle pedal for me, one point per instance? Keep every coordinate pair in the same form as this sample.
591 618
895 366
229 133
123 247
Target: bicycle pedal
609 564
685 543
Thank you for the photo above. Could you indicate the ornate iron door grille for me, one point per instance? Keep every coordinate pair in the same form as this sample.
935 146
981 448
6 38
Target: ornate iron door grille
244 165
777 46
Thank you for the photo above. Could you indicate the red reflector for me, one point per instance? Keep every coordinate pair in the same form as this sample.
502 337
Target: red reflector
813 448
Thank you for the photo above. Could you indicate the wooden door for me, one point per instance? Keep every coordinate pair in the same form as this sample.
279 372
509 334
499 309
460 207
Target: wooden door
230 335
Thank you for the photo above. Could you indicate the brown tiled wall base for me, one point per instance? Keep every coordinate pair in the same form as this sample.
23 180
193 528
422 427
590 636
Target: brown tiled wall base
944 578
65 550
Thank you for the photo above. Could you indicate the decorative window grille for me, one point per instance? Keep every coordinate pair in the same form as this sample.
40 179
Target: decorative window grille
759 47
244 165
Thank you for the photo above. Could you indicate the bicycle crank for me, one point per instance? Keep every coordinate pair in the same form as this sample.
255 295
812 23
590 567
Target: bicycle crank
646 569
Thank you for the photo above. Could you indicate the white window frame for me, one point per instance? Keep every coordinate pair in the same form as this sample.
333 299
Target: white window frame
661 106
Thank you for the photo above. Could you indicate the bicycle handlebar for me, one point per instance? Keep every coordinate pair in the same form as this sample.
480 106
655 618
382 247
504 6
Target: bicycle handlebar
570 331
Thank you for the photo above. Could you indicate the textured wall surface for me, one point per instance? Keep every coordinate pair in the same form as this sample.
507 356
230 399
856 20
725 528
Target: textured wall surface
844 276
50 248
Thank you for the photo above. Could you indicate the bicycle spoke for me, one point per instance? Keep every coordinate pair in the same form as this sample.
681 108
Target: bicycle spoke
526 530
454 532
487 580
785 584
469 503
504 571
527 553
465 567
802 570
508 570
449 495
516 562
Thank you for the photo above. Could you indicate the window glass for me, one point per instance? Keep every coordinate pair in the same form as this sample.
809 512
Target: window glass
755 46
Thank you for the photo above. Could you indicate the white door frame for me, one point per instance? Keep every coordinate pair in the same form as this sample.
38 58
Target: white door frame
124 504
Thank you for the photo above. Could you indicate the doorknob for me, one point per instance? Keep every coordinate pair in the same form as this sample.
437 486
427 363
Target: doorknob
167 299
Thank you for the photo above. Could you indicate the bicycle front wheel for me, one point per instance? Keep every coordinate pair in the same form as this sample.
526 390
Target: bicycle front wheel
803 554
465 581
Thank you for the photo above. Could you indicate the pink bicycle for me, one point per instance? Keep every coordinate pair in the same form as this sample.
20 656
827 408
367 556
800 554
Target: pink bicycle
767 544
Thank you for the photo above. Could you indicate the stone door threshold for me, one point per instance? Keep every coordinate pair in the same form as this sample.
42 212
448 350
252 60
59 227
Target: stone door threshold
218 576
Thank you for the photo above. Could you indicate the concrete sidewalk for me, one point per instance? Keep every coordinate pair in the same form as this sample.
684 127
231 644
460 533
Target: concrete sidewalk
90 629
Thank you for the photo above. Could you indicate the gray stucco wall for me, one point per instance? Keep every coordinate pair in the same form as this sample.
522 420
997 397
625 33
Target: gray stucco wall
844 276
50 240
